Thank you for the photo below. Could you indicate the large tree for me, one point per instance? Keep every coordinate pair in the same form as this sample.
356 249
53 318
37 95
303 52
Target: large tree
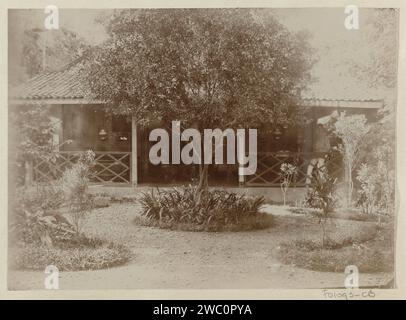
208 68
380 69
380 72
49 50
38 50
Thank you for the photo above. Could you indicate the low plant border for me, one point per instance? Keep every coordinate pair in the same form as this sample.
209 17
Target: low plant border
336 260
35 257
361 251
259 222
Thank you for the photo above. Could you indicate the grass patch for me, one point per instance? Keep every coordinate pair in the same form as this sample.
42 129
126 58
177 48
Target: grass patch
369 251
303 210
348 214
72 255
359 216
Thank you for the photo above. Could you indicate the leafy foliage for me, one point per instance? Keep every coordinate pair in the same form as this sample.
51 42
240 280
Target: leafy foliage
35 217
367 193
199 66
377 185
84 254
222 68
33 132
217 207
61 47
321 195
46 223
380 70
31 138
321 191
74 183
287 174
37 210
352 131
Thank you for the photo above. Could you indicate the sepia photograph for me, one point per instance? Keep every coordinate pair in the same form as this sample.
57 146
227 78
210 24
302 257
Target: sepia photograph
202 148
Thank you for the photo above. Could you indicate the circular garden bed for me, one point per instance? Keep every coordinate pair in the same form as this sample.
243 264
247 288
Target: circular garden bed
213 210
81 253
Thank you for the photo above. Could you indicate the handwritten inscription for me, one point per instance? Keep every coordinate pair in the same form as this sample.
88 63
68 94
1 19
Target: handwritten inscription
346 294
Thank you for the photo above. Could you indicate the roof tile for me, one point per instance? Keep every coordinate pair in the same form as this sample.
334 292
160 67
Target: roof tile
68 84
62 84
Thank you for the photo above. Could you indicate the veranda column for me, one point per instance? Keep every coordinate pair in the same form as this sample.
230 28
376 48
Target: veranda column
134 173
240 155
241 178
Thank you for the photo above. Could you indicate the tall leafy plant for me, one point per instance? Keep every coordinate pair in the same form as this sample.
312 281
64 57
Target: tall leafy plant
75 182
377 182
351 130
31 136
287 174
321 195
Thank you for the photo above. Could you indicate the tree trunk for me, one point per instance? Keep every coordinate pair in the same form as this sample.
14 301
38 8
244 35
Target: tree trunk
324 232
284 196
350 187
203 177
203 185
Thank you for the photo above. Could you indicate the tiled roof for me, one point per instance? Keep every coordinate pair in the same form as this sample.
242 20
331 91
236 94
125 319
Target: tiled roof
64 84
68 84
335 87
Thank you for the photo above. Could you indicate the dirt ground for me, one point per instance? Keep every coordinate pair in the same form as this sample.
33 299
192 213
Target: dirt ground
165 259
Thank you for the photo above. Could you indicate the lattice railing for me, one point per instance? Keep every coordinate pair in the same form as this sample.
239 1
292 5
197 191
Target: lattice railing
113 167
110 166
269 164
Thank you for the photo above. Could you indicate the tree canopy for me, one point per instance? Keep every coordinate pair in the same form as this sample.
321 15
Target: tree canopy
205 67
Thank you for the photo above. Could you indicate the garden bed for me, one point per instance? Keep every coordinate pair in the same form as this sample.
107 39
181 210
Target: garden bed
70 255
213 210
371 251
346 214
258 222
201 260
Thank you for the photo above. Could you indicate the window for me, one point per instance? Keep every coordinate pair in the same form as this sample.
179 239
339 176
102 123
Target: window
121 128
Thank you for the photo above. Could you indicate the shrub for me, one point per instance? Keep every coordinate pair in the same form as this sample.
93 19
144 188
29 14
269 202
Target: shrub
351 130
217 209
37 212
321 196
101 201
45 197
287 174
41 235
32 130
321 191
386 189
377 183
35 216
367 193
74 183
39 227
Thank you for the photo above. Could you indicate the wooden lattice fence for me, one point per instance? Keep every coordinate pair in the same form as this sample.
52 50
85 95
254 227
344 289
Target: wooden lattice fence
269 164
110 167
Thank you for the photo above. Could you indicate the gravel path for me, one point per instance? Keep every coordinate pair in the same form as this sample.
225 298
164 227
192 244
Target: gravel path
165 259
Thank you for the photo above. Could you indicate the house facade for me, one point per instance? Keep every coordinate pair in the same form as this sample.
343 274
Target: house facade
122 147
